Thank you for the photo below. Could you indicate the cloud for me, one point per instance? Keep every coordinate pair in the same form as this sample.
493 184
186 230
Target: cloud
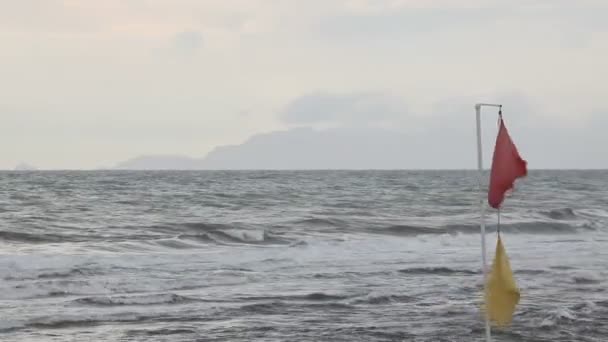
387 21
344 108
443 135
48 17
187 42
545 23
546 138
106 80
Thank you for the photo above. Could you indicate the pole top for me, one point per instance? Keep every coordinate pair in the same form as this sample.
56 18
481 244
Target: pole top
479 105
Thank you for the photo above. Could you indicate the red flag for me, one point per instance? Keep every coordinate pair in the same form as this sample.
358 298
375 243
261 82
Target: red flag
507 166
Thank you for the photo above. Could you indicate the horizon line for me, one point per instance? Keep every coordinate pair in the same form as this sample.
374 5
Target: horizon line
314 169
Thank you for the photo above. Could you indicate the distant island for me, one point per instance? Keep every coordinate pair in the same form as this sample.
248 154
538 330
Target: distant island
307 148
160 162
25 167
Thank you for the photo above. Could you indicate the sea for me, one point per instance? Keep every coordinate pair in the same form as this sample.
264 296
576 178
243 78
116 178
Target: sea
295 256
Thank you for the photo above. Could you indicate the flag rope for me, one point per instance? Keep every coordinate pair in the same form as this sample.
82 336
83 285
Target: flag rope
498 223
498 209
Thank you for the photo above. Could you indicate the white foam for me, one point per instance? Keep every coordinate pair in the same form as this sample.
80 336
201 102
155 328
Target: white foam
246 235
556 316
586 277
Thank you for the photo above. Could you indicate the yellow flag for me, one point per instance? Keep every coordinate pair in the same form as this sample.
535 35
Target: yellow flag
501 292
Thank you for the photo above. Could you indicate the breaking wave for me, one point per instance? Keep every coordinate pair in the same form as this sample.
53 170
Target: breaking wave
156 299
236 236
219 233
558 221
558 316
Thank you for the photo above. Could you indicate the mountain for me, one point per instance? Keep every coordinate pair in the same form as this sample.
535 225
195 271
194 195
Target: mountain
160 162
307 148
25 167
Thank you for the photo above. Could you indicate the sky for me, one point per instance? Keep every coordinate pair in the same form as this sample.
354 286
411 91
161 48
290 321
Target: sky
87 84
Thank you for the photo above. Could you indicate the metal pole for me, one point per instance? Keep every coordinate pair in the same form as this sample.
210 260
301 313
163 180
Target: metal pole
482 204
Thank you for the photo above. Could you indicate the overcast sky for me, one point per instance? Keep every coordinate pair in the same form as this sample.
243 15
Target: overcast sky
85 84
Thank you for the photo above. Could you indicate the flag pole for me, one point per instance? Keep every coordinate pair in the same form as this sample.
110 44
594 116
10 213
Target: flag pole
482 205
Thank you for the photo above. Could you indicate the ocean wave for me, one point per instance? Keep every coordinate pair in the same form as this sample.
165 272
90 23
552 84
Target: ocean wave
232 272
557 316
408 230
586 307
31 237
256 237
385 299
322 296
44 238
533 227
277 260
262 308
318 221
162 331
603 303
437 271
205 226
315 301
279 307
560 214
46 288
8 325
315 296
241 235
59 293
72 321
174 244
329 305
198 238
157 299
63 323
529 272
299 243
74 272
593 213
562 267
220 233
586 278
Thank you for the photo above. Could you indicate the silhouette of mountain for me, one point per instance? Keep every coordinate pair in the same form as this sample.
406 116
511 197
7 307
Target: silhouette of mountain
307 148
24 167
160 162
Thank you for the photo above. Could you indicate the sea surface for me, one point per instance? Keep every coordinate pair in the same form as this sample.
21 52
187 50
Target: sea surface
295 256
